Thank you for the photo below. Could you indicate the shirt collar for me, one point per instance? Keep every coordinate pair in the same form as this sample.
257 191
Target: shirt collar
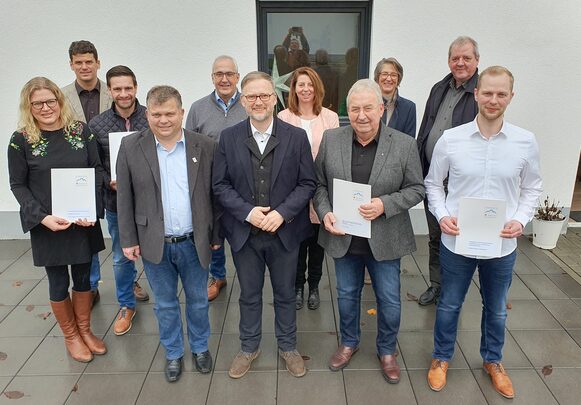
230 102
475 130
181 140
453 84
80 89
267 132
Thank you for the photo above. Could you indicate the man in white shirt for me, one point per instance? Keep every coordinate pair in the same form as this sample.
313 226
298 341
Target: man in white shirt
486 158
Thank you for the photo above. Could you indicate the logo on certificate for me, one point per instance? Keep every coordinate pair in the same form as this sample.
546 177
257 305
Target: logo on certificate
490 212
357 196
81 180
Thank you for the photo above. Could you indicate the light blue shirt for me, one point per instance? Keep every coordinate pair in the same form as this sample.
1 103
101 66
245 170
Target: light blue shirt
175 192
221 102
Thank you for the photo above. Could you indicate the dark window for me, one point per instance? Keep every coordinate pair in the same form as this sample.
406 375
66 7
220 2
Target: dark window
331 37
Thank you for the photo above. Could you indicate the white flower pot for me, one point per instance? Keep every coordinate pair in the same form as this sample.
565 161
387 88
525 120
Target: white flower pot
546 233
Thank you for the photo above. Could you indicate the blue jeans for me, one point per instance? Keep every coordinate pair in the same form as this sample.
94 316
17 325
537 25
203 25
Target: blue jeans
350 270
123 268
495 278
95 274
180 260
218 264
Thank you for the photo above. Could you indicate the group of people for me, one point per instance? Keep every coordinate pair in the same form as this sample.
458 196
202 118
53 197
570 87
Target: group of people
265 184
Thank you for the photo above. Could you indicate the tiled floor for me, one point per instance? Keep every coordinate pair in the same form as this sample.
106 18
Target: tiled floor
544 329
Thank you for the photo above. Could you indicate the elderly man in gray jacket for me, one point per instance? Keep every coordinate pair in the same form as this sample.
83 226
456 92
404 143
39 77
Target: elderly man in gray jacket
369 152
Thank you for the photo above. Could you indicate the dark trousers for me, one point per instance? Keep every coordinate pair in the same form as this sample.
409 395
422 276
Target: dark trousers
434 246
309 247
58 280
261 250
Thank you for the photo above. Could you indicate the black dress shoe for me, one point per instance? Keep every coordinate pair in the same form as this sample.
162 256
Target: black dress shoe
314 301
203 362
173 369
300 299
430 296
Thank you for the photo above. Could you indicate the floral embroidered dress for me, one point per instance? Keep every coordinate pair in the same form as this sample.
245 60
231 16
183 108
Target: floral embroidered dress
29 166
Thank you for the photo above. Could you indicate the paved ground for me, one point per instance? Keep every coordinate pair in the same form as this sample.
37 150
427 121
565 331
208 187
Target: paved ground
544 329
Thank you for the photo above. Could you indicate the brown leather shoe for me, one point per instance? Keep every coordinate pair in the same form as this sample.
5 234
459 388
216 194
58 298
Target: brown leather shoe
214 287
139 292
340 359
390 368
123 322
500 379
82 303
65 316
437 374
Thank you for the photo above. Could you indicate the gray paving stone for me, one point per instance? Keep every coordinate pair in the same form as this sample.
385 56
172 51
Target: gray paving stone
369 387
542 286
22 269
470 315
409 267
528 387
13 249
567 284
417 348
51 358
4 382
519 291
415 317
292 390
513 356
192 388
14 291
318 347
545 347
133 355
566 311
17 350
159 360
524 265
22 322
320 320
528 314
5 310
116 389
45 390
564 384
253 388
461 388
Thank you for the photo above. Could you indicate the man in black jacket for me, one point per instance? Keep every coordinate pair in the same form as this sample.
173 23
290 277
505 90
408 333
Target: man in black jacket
125 114
451 103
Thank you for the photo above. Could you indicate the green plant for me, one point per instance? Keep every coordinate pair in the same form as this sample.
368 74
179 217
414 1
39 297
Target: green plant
549 211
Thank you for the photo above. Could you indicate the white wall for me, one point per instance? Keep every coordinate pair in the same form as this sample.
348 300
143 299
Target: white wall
174 42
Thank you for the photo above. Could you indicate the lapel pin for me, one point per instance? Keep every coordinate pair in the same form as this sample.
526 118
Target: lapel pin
195 160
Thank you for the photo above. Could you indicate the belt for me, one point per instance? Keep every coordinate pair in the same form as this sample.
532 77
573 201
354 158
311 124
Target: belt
178 239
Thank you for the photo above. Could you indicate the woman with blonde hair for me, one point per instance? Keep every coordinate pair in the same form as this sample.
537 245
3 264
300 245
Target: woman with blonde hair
48 137
305 110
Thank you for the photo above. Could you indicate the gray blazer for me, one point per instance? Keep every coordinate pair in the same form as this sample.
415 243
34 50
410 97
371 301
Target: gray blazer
71 94
396 178
139 204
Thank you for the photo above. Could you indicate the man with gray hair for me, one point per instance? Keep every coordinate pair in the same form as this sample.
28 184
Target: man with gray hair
451 103
209 116
166 215
368 152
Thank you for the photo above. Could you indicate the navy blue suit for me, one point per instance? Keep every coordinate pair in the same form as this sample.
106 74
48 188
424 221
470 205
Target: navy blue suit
403 118
292 185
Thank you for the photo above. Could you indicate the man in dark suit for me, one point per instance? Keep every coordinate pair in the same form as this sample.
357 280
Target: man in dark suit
368 152
264 178
165 212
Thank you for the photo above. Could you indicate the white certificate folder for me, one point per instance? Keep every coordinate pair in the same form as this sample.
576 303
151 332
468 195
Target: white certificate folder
480 222
347 197
114 145
73 194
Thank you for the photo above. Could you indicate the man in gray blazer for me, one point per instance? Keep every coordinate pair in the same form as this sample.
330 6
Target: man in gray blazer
369 152
88 96
166 215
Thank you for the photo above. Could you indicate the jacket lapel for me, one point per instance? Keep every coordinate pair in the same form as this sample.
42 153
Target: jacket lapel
193 151
280 144
383 148
149 150
346 151
243 143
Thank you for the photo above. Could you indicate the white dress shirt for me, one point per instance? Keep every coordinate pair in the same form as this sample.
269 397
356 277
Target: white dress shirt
261 138
503 167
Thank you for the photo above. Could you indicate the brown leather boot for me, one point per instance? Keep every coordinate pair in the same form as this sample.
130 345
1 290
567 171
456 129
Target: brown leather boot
65 316
82 303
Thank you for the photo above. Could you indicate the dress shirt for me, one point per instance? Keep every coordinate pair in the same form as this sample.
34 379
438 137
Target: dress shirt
221 102
505 166
90 100
261 138
175 192
306 125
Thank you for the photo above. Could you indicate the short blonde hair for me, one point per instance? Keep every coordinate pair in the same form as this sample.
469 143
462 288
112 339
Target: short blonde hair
496 71
27 123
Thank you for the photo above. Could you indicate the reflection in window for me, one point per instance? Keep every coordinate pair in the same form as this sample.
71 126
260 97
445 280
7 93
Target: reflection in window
326 36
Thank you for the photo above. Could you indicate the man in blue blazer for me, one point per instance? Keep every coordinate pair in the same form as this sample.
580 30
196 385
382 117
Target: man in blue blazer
264 177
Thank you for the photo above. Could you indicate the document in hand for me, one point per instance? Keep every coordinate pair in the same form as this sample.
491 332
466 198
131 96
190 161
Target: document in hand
73 194
480 222
114 145
347 197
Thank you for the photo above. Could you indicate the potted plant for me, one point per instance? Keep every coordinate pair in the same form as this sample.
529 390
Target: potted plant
547 224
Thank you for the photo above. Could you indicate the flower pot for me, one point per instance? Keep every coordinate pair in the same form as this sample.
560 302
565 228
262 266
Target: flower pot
546 233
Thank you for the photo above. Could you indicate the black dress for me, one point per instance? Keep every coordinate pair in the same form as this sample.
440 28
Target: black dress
29 166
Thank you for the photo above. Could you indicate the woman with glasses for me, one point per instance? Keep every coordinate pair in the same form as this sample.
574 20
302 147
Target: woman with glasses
305 110
400 113
49 137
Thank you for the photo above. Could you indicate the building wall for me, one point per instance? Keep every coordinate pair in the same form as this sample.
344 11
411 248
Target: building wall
174 42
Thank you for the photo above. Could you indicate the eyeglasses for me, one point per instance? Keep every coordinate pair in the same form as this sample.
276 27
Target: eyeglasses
263 97
37 105
366 109
385 75
219 75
